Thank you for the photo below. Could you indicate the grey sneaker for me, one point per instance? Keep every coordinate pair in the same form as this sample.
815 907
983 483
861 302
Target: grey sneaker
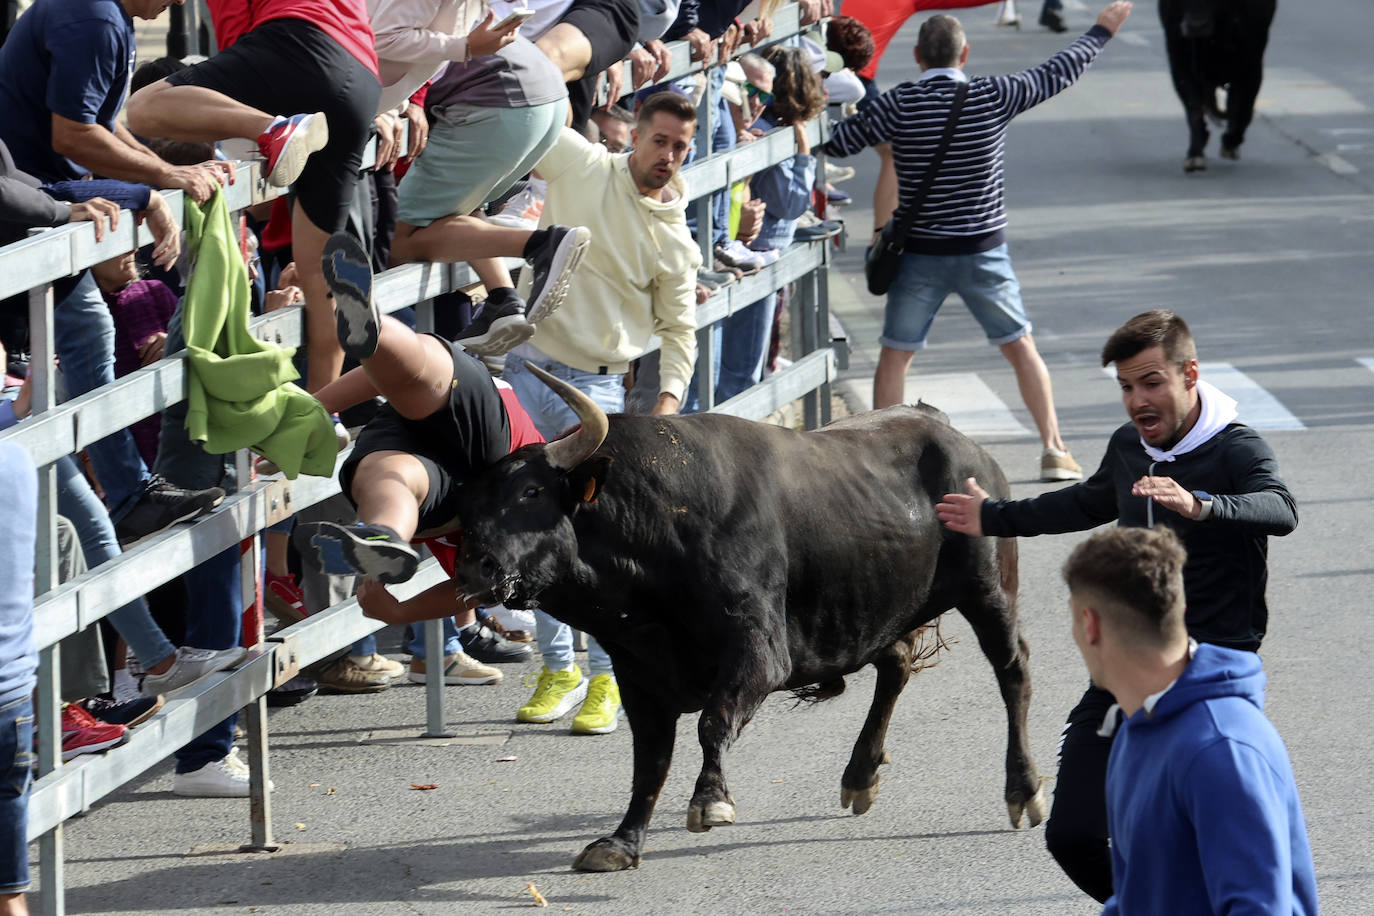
497 329
189 666
348 271
553 267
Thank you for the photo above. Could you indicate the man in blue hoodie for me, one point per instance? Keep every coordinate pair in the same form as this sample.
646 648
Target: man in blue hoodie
1201 804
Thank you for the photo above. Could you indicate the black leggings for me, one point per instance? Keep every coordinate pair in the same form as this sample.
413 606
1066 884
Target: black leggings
1077 830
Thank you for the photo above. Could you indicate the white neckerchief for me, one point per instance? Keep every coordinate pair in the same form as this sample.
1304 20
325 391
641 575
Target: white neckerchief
1218 410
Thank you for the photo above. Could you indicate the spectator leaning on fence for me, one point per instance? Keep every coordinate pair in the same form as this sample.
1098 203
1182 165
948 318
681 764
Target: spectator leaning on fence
301 77
638 279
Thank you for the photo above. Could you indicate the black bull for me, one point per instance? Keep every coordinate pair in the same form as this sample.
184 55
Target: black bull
718 560
1214 44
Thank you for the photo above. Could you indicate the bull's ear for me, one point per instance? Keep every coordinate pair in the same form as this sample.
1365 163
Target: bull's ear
586 480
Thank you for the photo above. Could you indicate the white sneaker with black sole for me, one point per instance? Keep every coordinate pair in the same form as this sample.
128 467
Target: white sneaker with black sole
552 268
348 273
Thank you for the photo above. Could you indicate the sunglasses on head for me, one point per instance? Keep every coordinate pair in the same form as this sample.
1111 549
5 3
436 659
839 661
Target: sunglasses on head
756 93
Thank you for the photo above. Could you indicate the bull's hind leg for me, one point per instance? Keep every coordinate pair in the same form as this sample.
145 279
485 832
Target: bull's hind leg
752 667
859 784
654 731
990 608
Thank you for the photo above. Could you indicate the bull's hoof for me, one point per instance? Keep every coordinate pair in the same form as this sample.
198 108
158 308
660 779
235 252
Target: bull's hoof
1230 152
860 799
606 854
1195 164
1035 809
715 814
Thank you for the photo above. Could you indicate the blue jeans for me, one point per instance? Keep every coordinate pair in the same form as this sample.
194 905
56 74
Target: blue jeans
552 415
216 621
744 347
416 643
723 137
16 771
79 504
691 400
83 336
984 281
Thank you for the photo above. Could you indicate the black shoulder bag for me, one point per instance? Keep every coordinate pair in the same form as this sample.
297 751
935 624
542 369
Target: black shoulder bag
883 259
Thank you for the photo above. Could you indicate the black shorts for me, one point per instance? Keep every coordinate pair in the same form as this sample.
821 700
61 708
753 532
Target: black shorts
290 66
612 28
452 444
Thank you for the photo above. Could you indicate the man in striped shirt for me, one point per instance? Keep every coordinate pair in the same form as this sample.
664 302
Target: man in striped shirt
958 241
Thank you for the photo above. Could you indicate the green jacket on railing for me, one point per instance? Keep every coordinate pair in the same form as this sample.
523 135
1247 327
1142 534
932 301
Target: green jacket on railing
240 390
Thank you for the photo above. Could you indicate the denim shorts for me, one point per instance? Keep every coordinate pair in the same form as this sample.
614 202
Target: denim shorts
16 770
984 281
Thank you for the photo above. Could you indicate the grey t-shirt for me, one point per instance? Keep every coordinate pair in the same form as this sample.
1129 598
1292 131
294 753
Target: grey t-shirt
517 76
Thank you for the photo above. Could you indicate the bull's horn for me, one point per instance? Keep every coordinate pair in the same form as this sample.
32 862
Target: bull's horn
570 451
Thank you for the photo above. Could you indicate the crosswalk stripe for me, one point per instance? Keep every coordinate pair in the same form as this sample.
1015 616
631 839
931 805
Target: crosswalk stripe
973 408
1257 408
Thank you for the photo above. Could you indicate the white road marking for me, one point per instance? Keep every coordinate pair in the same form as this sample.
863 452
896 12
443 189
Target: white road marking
973 408
1367 362
1133 38
1257 408
1337 164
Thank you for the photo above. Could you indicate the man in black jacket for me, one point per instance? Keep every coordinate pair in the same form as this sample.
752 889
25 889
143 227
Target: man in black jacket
1182 461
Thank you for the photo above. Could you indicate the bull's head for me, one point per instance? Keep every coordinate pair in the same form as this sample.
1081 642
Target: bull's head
1199 18
517 516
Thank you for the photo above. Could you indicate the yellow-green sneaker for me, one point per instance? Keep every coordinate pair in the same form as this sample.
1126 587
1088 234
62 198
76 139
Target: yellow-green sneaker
558 692
598 714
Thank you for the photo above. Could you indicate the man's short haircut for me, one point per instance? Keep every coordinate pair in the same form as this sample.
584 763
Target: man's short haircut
940 41
668 102
1134 578
1155 328
851 39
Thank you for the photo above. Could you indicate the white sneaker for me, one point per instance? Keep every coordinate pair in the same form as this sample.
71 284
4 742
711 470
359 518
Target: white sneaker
379 664
742 253
513 618
767 255
189 666
835 173
459 669
223 778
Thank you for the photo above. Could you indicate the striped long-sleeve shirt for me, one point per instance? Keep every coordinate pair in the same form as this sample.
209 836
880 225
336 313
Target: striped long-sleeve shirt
964 212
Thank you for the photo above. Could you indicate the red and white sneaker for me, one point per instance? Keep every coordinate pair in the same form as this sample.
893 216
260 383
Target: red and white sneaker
283 597
83 733
288 143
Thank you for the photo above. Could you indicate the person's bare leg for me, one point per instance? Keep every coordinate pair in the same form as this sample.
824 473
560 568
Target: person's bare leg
493 273
13 905
889 379
324 356
388 488
456 238
568 48
885 191
192 113
1034 381
412 371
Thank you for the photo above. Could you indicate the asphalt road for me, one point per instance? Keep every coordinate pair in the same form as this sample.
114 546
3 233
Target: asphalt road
1268 258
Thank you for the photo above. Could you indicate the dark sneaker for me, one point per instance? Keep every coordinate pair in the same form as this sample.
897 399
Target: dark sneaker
287 144
371 551
497 329
552 268
348 271
481 643
297 690
1053 19
129 713
826 228
715 280
162 506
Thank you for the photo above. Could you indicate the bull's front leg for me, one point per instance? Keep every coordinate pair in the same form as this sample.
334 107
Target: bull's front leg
752 667
654 728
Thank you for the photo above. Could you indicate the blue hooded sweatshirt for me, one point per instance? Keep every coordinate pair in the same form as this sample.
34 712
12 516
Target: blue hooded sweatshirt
1201 805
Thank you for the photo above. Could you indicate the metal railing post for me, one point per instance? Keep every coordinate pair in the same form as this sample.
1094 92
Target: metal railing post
436 726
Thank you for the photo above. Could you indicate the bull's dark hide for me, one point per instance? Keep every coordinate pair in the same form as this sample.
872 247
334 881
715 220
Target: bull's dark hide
1216 44
719 560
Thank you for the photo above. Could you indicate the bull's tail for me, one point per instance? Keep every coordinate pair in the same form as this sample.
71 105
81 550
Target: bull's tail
926 644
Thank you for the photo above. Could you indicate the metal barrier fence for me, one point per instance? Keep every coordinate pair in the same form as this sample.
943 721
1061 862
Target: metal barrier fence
54 431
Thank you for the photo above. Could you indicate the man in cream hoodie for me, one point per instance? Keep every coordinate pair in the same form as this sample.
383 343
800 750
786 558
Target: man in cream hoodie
637 280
